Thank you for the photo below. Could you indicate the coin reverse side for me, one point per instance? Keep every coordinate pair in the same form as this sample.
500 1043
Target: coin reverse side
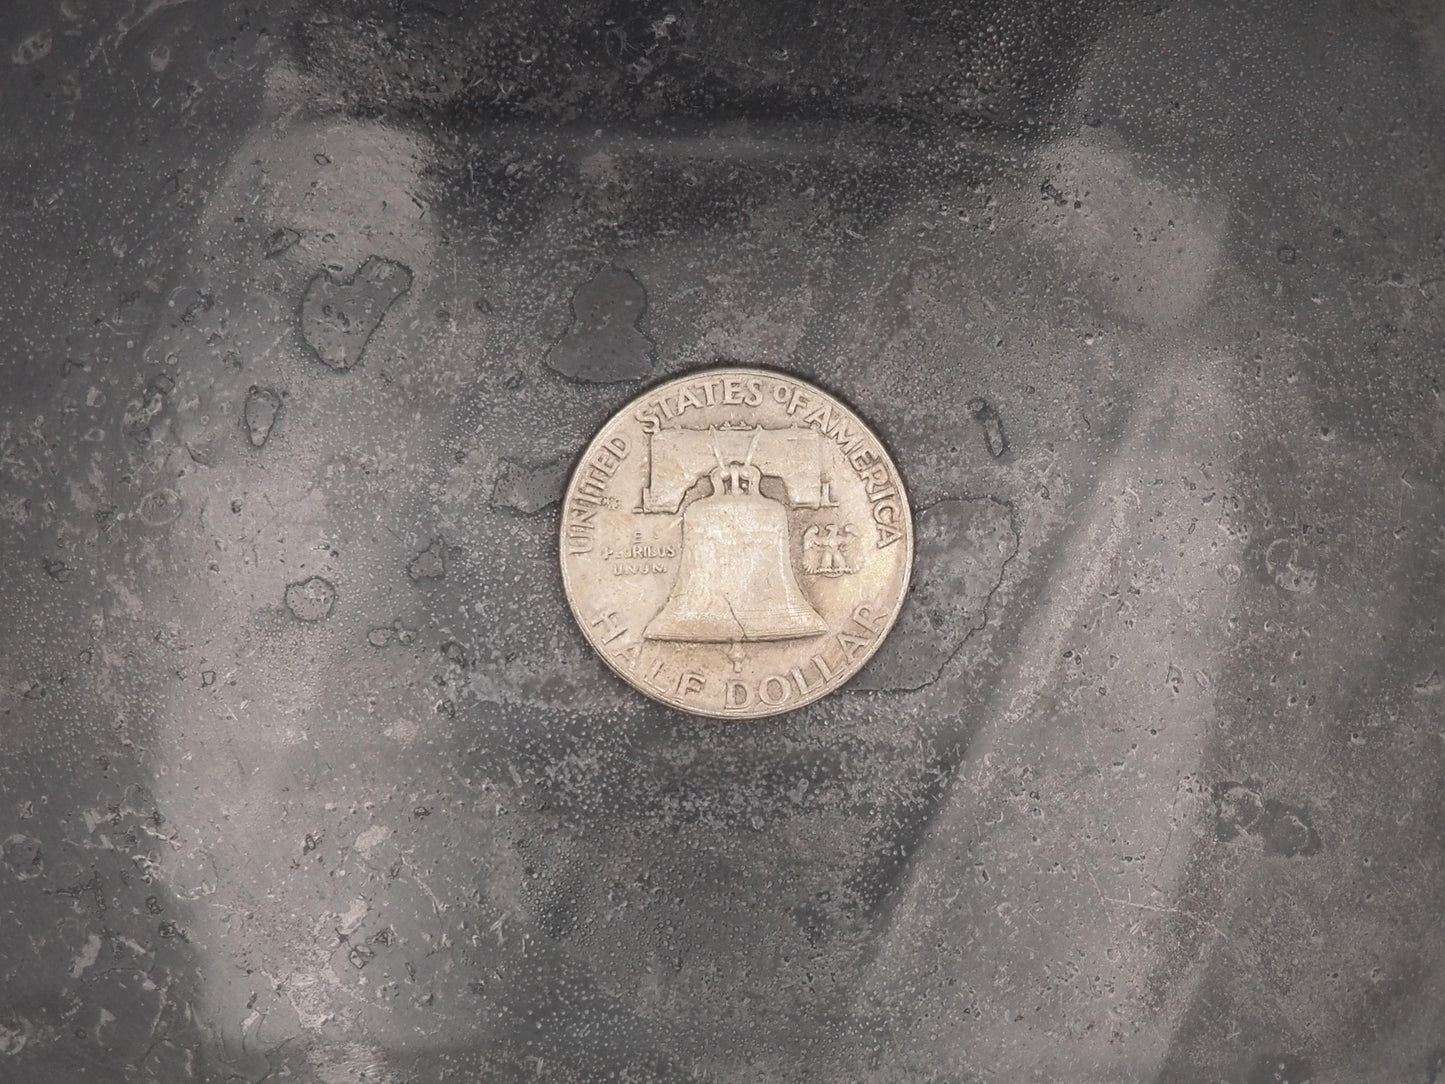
736 543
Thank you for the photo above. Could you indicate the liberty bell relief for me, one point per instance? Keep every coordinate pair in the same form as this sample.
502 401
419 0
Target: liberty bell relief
736 543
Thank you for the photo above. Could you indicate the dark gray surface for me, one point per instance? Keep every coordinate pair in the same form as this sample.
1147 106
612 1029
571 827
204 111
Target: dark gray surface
305 771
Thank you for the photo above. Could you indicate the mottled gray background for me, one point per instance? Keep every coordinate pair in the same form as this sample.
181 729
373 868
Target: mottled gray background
306 773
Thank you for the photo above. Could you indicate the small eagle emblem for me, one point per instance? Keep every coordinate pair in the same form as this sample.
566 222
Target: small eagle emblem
825 549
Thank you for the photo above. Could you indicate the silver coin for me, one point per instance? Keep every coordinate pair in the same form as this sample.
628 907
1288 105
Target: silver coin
736 543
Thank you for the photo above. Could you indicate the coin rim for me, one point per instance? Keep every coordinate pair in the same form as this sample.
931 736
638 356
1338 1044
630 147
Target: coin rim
586 456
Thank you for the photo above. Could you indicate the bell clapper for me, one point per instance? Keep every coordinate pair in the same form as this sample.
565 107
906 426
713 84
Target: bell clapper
736 654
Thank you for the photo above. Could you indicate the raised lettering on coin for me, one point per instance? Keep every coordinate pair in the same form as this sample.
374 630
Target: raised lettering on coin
736 543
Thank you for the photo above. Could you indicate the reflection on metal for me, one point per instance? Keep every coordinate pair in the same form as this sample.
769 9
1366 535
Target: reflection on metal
772 522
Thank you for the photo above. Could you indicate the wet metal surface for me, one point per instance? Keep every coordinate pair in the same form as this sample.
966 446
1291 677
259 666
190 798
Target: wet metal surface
307 774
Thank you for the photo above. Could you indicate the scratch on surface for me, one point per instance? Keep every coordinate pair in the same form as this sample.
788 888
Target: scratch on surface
1163 910
435 903
131 19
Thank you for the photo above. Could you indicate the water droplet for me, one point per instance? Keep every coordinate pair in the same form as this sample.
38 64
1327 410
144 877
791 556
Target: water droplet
339 316
528 490
311 599
993 435
23 856
1285 564
430 564
604 345
35 47
159 508
262 407
58 570
280 240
